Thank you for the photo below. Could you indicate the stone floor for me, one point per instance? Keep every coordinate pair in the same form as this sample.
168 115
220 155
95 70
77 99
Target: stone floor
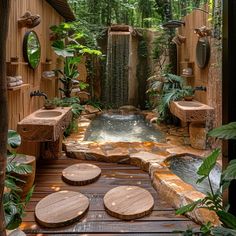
149 156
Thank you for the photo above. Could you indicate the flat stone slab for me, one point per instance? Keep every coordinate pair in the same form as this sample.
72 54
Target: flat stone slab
81 174
61 209
128 202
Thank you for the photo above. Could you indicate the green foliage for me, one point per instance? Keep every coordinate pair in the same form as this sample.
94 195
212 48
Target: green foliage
225 131
213 200
228 220
14 208
229 173
188 208
168 88
208 165
13 204
13 139
220 231
67 43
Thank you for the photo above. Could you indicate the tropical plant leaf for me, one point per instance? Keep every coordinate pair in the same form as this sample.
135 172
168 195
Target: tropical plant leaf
227 131
188 208
29 195
13 139
9 183
227 219
221 231
12 221
60 50
230 172
17 168
207 165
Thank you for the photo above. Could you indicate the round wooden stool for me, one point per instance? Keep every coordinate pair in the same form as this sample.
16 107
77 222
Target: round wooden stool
81 174
128 202
61 208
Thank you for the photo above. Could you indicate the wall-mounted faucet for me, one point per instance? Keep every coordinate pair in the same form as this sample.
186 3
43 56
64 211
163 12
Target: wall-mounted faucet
38 93
200 88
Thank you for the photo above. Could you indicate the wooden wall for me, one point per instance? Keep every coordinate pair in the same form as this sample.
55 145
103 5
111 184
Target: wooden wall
20 103
209 76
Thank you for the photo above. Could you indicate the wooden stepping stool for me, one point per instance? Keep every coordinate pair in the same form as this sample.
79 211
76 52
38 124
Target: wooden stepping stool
81 174
61 209
128 202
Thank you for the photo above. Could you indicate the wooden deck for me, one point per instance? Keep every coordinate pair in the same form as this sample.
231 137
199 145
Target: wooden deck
162 221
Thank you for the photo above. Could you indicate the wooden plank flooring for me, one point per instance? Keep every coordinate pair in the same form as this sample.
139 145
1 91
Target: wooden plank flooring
162 220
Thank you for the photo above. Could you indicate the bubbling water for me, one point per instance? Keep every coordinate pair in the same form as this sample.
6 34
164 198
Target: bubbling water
122 128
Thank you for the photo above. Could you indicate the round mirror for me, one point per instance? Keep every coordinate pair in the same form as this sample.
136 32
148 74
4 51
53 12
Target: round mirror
31 49
202 52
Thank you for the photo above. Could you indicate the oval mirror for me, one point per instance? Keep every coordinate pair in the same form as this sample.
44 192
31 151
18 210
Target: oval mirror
203 52
31 49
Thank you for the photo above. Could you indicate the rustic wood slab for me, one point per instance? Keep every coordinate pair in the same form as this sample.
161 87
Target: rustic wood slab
61 208
81 174
128 202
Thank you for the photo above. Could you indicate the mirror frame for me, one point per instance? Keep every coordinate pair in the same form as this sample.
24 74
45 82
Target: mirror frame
203 62
25 51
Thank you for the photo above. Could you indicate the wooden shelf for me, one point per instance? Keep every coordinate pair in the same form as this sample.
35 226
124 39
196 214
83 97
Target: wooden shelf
24 63
18 87
14 63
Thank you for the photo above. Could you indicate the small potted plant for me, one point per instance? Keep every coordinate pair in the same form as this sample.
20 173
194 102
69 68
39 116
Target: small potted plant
50 104
188 93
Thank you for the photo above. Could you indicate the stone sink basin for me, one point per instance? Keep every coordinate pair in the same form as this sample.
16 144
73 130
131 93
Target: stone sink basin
48 114
189 111
45 125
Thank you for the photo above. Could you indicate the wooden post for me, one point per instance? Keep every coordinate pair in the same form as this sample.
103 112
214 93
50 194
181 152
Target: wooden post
229 87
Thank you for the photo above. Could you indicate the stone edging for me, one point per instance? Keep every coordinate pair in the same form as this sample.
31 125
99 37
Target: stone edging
150 157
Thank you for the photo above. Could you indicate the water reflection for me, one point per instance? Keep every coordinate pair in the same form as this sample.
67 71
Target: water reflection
122 128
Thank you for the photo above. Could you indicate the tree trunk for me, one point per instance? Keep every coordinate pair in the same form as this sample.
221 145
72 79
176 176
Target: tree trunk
4 13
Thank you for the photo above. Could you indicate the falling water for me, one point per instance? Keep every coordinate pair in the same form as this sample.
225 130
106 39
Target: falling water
117 68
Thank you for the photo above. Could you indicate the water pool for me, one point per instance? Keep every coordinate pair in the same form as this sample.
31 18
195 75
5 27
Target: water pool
122 128
186 167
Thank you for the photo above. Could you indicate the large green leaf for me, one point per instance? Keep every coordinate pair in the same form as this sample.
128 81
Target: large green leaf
221 231
17 168
230 172
207 165
14 139
225 131
188 208
227 219
60 49
13 221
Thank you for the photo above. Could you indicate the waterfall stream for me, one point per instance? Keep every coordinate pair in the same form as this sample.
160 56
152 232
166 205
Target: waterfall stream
117 69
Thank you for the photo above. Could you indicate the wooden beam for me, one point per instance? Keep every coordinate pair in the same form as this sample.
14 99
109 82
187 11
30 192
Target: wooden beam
229 86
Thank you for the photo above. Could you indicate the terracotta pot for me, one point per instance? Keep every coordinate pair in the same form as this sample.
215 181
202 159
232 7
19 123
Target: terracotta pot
188 98
27 178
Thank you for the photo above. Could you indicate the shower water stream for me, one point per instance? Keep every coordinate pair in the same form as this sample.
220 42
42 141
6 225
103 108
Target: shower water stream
117 69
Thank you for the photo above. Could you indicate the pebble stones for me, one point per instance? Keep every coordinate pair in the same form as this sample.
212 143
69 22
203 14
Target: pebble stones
128 202
61 208
81 174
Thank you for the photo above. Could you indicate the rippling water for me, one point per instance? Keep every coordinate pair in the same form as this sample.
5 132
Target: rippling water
186 168
122 128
